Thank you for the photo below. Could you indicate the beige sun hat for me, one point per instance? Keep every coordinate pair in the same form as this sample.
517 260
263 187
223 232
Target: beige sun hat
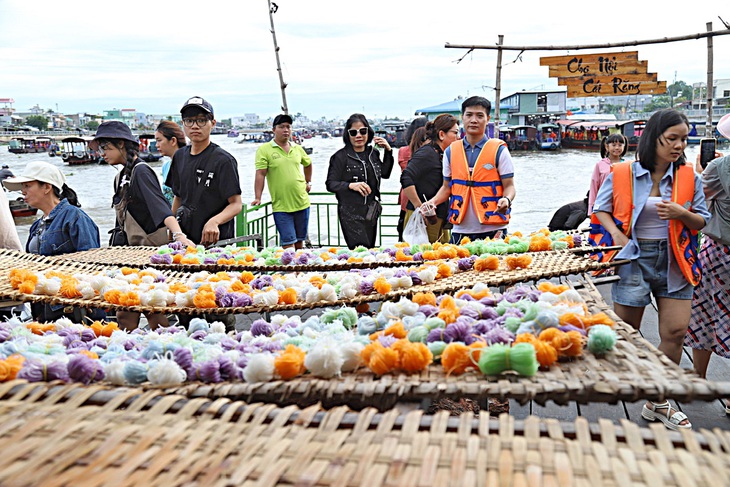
37 171
723 126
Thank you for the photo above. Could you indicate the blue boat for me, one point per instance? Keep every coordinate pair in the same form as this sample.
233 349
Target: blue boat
548 136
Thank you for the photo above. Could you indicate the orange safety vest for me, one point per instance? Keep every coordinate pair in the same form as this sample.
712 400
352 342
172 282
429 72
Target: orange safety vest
683 241
480 186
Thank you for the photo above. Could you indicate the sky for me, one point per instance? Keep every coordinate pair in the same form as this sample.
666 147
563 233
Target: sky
381 58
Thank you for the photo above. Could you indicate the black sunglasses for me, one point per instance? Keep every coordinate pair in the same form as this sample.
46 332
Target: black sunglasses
353 132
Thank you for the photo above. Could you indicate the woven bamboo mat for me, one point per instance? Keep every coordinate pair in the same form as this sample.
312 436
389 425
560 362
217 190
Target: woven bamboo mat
144 439
545 265
634 370
140 257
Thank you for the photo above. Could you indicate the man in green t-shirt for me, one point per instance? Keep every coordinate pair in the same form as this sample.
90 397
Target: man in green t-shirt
279 161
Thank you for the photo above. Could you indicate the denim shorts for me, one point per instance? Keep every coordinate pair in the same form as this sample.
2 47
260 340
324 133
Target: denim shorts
292 227
645 276
456 237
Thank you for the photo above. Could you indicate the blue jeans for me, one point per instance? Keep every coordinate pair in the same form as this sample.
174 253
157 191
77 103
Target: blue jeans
645 276
292 227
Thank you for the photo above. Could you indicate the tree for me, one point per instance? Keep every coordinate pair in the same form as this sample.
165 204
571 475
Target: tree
92 125
38 121
657 103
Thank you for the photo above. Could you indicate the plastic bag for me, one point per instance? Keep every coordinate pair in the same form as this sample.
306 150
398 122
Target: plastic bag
415 232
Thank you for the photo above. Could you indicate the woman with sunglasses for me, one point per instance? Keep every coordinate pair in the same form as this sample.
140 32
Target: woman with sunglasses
141 209
354 176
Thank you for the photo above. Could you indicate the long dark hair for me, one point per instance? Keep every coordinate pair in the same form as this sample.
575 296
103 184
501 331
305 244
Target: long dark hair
415 124
130 150
652 133
418 137
68 194
356 117
170 129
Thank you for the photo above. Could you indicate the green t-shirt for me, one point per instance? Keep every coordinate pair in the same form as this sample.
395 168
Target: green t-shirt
285 178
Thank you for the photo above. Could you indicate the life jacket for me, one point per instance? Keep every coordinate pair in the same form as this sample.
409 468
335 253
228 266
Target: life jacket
683 241
480 186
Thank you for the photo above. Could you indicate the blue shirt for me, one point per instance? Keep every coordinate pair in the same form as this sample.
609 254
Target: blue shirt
642 188
67 229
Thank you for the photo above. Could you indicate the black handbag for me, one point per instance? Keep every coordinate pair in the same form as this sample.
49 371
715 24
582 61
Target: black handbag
184 217
374 211
118 237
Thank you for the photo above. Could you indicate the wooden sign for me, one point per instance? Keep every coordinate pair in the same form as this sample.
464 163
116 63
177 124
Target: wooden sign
622 79
629 67
604 74
594 88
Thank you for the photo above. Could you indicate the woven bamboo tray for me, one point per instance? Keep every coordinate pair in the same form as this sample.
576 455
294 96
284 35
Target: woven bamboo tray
545 265
144 439
634 370
140 257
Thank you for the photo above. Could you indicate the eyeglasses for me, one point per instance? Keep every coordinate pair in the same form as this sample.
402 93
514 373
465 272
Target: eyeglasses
200 122
361 131
104 147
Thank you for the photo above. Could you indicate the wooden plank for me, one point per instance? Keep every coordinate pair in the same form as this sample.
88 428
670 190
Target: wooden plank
590 59
569 412
594 411
624 68
601 89
609 80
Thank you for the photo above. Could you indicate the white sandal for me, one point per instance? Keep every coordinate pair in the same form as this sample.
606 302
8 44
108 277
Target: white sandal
672 422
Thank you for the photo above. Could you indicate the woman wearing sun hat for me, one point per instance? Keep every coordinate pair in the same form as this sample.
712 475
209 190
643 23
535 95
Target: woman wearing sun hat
709 325
140 207
138 201
63 228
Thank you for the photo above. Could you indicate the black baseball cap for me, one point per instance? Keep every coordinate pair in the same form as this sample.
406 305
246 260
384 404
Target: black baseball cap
283 118
199 102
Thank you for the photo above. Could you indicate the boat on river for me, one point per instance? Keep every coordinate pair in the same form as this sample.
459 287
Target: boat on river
587 134
519 137
29 145
148 151
20 209
548 136
76 151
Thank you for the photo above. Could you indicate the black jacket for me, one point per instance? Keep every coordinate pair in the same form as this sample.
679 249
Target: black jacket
345 168
425 172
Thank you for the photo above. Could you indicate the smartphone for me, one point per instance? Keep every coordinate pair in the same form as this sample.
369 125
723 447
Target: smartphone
707 151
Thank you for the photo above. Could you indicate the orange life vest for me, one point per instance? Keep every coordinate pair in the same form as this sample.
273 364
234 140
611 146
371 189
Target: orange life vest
480 186
682 240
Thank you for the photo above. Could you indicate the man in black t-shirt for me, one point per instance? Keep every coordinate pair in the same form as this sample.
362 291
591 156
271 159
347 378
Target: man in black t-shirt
204 179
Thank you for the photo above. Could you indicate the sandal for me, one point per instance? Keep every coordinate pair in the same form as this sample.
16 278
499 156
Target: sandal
727 407
672 422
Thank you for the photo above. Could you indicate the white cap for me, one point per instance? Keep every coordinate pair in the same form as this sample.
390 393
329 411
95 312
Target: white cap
37 171
723 126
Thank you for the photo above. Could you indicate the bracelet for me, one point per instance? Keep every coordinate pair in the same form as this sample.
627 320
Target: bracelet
177 234
309 182
510 201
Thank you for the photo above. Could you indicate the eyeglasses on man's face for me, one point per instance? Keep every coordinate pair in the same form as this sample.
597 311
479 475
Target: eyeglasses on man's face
361 131
200 122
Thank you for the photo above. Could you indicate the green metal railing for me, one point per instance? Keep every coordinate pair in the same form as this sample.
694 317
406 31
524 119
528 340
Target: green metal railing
324 225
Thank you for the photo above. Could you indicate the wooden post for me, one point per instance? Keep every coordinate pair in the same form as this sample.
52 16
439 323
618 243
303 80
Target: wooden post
284 107
708 122
498 85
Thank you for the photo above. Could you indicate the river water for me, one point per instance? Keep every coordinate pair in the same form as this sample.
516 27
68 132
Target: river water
544 180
